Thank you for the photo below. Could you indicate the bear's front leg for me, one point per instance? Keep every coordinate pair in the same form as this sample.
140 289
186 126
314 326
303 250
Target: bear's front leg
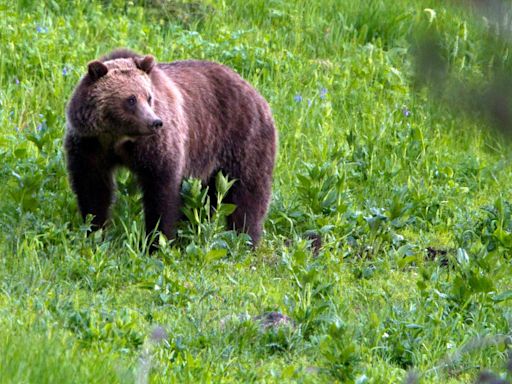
91 178
162 201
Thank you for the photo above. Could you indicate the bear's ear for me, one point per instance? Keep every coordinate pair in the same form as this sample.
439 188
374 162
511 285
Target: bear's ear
96 69
145 63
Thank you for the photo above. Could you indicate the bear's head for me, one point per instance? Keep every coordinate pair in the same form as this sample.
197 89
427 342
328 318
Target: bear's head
115 98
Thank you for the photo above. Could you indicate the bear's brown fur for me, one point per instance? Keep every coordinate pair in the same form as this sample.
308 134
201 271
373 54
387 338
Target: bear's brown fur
166 122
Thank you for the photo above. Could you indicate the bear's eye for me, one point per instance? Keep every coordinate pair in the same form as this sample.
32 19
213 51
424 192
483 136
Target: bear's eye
132 100
149 99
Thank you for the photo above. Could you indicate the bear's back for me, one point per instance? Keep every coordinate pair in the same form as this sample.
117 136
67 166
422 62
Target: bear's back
190 74
218 87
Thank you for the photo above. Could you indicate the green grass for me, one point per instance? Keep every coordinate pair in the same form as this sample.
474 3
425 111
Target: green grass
414 209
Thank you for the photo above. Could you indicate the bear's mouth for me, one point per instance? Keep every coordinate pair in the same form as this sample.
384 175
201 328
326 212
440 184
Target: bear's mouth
138 133
141 134
129 138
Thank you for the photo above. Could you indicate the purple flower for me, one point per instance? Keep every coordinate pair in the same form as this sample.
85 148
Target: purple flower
17 81
406 112
297 98
41 126
64 71
40 29
323 93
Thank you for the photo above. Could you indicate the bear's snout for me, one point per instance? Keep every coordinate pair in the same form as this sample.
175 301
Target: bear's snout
157 123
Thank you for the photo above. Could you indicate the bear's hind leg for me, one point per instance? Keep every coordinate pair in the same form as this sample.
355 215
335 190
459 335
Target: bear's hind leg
251 206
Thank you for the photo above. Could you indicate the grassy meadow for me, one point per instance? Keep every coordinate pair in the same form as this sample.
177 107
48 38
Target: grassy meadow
387 248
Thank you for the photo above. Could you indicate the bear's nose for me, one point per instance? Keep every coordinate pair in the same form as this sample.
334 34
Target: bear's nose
157 123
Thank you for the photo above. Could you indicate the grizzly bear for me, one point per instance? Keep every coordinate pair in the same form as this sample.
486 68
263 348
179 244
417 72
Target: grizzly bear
166 122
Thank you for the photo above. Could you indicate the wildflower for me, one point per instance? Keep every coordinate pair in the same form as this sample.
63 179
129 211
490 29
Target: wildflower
309 102
16 81
64 71
41 126
406 112
40 29
323 93
297 98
